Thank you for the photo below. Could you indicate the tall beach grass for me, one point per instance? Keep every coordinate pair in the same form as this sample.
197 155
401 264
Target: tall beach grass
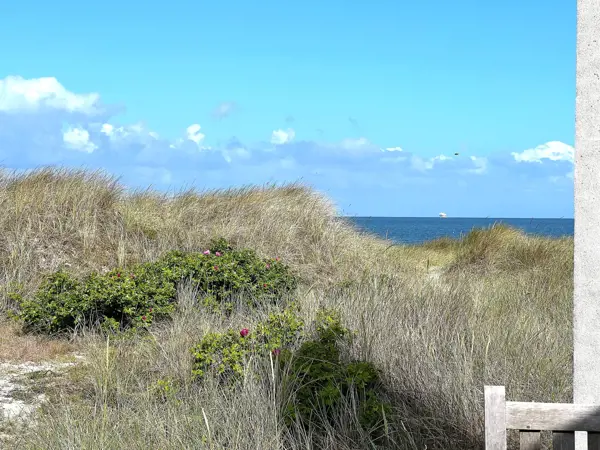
440 320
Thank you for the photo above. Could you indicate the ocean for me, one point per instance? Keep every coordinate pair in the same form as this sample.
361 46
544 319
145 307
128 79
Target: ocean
415 230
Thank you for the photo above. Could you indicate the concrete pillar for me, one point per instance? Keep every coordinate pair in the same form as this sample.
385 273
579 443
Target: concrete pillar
586 311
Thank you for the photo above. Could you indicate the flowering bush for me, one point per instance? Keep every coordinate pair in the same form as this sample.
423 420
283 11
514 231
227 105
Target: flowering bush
221 274
136 296
224 354
315 374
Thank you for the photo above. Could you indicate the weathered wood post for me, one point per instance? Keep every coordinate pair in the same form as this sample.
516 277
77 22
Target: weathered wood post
495 418
586 310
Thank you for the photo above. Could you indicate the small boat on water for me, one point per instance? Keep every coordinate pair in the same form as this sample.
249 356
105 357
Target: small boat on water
443 215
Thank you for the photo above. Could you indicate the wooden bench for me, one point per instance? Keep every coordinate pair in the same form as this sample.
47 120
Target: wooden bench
562 419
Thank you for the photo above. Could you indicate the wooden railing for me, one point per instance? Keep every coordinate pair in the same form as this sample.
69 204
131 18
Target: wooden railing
562 419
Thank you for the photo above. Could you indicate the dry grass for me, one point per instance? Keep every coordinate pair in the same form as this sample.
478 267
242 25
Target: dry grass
499 312
16 347
52 217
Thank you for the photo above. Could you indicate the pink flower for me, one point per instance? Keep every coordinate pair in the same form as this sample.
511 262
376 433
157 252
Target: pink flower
276 351
216 267
144 318
277 259
268 266
206 252
217 253
244 332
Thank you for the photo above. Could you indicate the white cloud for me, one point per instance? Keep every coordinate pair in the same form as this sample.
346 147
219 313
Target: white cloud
193 134
107 129
473 164
18 95
280 137
135 131
394 159
423 165
44 124
553 151
78 139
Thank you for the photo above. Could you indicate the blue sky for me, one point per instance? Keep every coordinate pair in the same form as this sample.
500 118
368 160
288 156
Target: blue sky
367 102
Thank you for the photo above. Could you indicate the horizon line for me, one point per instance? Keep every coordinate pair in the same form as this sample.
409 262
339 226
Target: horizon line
454 217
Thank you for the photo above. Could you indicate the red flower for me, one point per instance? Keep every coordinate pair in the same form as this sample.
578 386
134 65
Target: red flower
277 259
265 285
244 332
118 275
144 318
276 351
151 309
216 267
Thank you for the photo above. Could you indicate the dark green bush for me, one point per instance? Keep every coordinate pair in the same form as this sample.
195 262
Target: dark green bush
222 275
316 375
116 300
323 378
58 304
135 296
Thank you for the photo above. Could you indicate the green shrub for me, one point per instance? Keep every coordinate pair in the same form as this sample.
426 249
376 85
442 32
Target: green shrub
165 390
221 275
322 379
58 304
224 354
116 300
315 374
136 296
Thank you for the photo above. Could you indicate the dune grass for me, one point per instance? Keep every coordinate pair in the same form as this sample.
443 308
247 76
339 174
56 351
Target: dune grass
440 319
